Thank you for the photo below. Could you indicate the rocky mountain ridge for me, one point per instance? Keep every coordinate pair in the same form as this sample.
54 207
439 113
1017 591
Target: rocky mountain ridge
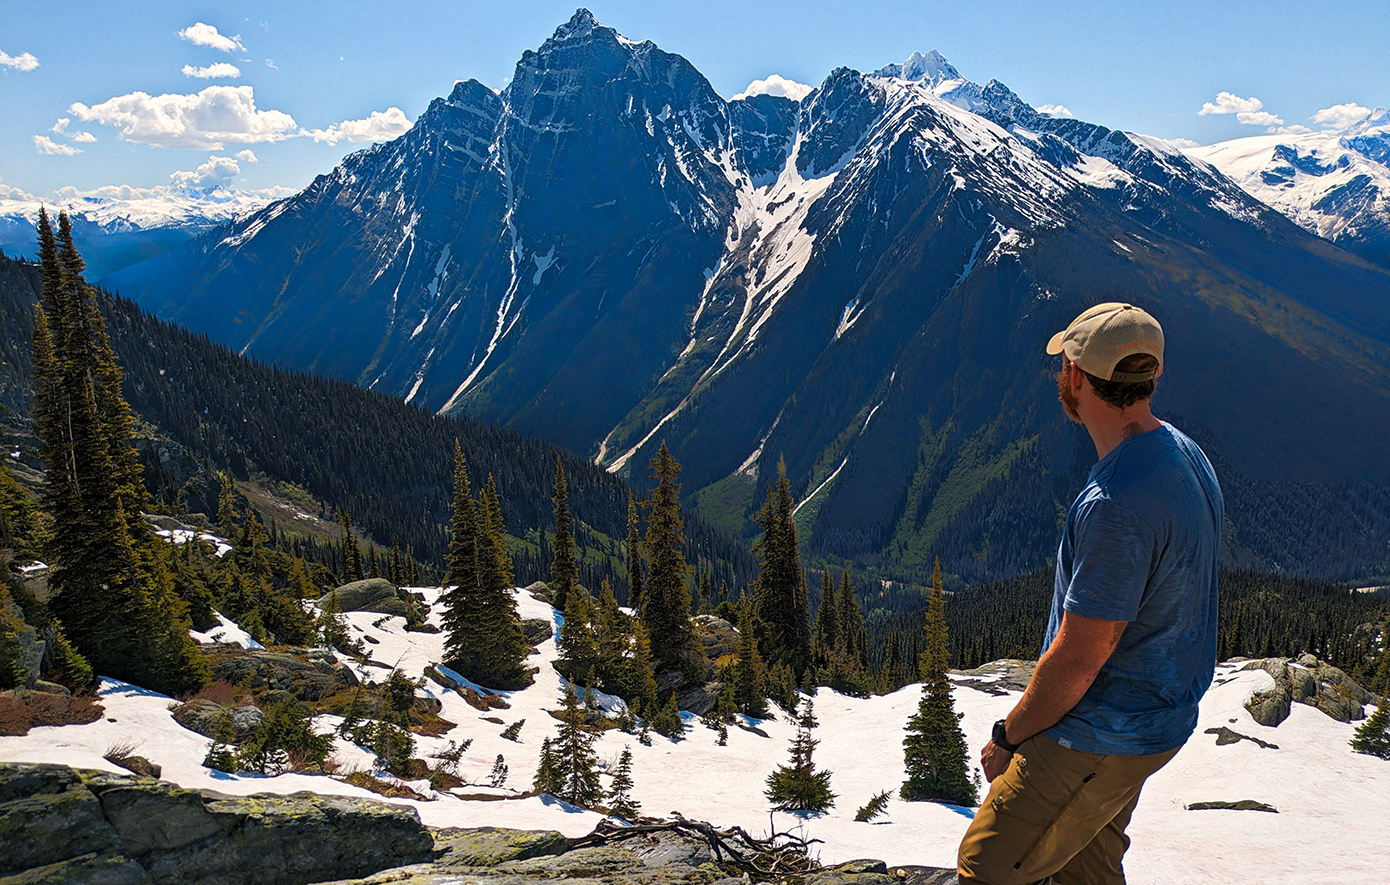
608 255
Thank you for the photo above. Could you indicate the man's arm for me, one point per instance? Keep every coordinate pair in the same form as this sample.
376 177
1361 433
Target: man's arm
1080 649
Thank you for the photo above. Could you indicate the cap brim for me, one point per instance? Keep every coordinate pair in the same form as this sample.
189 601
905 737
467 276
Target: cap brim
1054 346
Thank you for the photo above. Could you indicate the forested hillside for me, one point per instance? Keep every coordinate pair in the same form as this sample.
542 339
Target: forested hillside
386 463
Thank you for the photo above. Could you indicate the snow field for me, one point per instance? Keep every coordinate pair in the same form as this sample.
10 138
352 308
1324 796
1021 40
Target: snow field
1334 805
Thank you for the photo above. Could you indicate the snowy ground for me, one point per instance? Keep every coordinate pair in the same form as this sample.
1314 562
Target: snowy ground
1332 827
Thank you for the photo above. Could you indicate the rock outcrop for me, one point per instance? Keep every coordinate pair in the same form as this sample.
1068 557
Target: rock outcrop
310 674
374 595
59 824
207 717
1306 681
79 827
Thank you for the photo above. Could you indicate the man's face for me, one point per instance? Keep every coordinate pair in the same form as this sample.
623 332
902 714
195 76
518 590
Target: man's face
1071 403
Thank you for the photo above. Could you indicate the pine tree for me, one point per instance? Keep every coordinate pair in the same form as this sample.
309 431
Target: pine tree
620 799
665 598
352 554
876 806
576 766
578 644
494 560
226 506
1373 737
110 586
498 778
634 559
827 639
547 778
668 721
564 572
779 592
483 638
750 673
854 636
798 786
934 749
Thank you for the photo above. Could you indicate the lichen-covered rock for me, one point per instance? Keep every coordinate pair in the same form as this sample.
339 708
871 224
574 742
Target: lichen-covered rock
536 630
1306 681
717 636
47 817
372 595
310 674
490 846
206 717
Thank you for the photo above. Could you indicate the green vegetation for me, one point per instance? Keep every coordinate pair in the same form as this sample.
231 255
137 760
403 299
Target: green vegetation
798 785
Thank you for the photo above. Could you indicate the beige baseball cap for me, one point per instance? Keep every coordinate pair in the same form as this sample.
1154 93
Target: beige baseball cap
1106 334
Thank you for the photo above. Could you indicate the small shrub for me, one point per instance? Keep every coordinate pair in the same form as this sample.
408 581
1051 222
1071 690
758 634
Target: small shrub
512 732
875 807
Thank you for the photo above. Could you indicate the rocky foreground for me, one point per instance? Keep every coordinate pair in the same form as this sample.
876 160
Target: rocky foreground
85 827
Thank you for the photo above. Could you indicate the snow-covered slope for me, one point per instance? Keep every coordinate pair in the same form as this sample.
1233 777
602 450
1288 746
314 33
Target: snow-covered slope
1335 184
1332 803
147 209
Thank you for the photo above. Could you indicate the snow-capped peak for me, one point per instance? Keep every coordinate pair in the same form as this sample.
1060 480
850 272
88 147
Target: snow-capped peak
932 68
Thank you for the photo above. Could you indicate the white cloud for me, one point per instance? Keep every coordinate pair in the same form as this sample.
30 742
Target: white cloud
14 193
61 126
218 70
270 63
52 148
206 35
25 61
247 156
380 126
1184 142
217 170
1295 129
127 192
83 137
776 84
1249 111
1230 103
1055 110
1341 116
206 120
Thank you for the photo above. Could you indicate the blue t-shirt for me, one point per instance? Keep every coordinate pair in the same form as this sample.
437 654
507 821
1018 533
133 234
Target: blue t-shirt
1141 546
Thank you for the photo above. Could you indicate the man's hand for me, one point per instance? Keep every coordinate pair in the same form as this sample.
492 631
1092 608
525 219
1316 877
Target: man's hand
994 759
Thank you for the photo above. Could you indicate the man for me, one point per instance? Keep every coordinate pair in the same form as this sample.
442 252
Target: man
1131 643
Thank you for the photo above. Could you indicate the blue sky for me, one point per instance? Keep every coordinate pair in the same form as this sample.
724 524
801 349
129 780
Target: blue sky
308 68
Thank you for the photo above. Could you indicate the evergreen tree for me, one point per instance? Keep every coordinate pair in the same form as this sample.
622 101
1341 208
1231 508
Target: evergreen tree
634 559
578 644
620 799
665 598
1373 737
226 506
798 786
854 636
827 639
498 777
564 573
779 592
750 673
494 560
110 587
576 766
547 778
668 721
934 749
483 638
875 807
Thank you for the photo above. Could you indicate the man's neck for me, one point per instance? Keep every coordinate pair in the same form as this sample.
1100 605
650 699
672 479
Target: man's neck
1109 426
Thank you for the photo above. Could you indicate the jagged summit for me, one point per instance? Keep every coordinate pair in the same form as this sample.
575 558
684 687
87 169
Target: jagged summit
932 68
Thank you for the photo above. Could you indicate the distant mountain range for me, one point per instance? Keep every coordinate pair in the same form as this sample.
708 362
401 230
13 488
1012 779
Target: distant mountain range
859 285
129 226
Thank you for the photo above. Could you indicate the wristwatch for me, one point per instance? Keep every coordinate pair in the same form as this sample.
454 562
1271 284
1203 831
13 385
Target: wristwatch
1001 738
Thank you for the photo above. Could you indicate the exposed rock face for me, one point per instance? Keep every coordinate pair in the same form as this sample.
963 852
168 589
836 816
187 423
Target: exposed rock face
1306 681
998 677
373 595
536 630
717 636
309 673
63 825
205 717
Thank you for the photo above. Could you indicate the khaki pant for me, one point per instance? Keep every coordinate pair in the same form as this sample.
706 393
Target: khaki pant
1055 812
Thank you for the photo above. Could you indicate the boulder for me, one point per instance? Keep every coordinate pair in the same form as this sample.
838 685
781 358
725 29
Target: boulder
205 717
372 595
536 630
1306 681
490 846
717 636
310 674
29 649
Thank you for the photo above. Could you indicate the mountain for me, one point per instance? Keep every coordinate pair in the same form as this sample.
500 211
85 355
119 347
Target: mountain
117 231
1334 184
858 285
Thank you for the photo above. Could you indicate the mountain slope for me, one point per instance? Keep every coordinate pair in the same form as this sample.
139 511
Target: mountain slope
608 255
1335 184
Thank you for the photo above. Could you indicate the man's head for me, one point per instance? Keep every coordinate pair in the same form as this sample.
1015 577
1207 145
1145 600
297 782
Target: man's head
1118 347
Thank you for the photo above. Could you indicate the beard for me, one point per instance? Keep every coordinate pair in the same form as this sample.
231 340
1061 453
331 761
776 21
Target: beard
1071 403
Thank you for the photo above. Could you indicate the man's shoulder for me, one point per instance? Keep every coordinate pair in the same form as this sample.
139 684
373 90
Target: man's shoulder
1160 470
